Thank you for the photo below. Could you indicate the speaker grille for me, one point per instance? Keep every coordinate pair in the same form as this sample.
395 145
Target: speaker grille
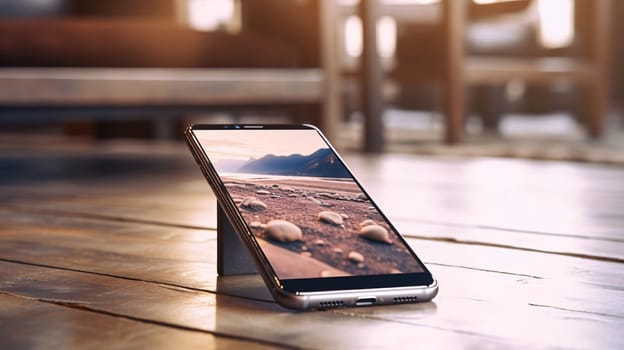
406 299
330 303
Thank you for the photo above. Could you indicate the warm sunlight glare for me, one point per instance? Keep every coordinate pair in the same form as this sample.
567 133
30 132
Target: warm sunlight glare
207 15
409 2
556 22
353 36
485 2
392 2
386 36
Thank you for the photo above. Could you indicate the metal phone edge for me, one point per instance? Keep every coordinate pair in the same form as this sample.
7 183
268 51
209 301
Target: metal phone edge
351 298
262 265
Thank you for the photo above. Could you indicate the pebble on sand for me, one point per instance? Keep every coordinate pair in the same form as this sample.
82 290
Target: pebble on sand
255 224
283 231
355 257
263 192
257 204
245 202
330 217
253 203
375 233
319 242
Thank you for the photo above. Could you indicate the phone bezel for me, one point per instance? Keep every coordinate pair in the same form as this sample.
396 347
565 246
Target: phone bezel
299 286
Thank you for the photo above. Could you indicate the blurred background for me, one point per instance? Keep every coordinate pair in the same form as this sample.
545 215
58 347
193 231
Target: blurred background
512 78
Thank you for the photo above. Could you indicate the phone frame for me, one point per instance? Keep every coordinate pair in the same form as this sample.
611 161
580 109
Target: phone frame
322 292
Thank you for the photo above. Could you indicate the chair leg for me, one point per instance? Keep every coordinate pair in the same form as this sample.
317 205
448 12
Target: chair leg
598 90
490 105
454 110
597 108
453 85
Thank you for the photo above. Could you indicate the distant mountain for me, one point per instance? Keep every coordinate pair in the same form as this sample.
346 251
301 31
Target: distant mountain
322 163
229 165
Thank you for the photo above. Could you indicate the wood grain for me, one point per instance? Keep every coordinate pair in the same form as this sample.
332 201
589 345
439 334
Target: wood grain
531 261
463 273
537 215
219 314
49 324
155 86
144 244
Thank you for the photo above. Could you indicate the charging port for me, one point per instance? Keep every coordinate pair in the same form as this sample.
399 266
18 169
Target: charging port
365 301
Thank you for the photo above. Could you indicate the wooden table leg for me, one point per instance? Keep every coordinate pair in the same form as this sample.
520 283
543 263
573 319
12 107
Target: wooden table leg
371 79
598 87
453 87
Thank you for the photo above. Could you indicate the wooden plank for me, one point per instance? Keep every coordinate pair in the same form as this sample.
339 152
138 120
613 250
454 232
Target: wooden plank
186 258
528 212
371 78
600 249
39 228
480 70
553 197
454 80
477 280
49 324
224 315
91 180
133 251
190 211
134 241
455 317
429 195
156 86
521 263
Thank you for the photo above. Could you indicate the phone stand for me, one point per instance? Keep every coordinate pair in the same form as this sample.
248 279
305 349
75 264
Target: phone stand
232 256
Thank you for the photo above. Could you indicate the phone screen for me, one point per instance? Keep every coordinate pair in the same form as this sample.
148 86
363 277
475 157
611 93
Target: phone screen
309 215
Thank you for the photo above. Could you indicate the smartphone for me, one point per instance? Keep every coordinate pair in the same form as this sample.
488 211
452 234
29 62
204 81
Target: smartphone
316 237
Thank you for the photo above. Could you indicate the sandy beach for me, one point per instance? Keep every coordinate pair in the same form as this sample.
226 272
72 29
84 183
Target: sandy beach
299 200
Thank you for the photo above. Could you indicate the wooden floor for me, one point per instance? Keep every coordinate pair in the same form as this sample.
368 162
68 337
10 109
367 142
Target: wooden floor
113 246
